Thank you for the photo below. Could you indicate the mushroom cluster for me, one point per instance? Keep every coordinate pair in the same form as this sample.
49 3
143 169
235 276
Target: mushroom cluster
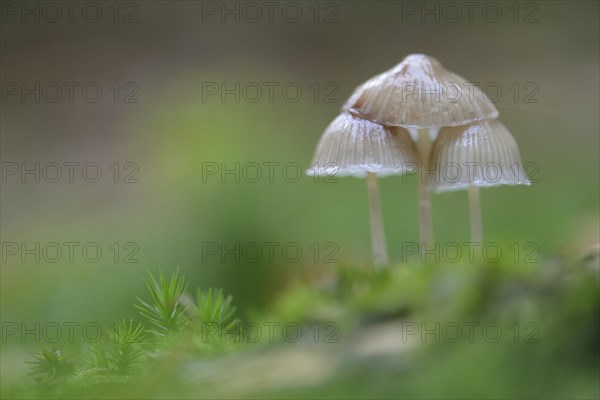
420 116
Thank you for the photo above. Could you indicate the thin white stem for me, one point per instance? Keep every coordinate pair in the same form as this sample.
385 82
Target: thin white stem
425 208
380 255
475 214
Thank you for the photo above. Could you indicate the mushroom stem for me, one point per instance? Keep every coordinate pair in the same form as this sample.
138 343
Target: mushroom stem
380 255
475 214
425 211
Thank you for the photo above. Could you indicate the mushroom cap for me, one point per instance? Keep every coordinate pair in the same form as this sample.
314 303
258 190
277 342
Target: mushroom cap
419 92
480 154
352 146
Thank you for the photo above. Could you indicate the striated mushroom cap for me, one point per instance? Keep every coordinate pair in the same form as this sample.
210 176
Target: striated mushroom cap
352 146
420 93
480 154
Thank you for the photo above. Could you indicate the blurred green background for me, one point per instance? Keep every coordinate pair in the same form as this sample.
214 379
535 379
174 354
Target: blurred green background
171 53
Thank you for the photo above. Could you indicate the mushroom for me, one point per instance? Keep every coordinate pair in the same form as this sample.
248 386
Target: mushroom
420 95
351 146
481 154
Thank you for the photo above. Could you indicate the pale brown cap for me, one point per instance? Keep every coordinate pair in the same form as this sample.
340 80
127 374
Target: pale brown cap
480 154
419 92
352 146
